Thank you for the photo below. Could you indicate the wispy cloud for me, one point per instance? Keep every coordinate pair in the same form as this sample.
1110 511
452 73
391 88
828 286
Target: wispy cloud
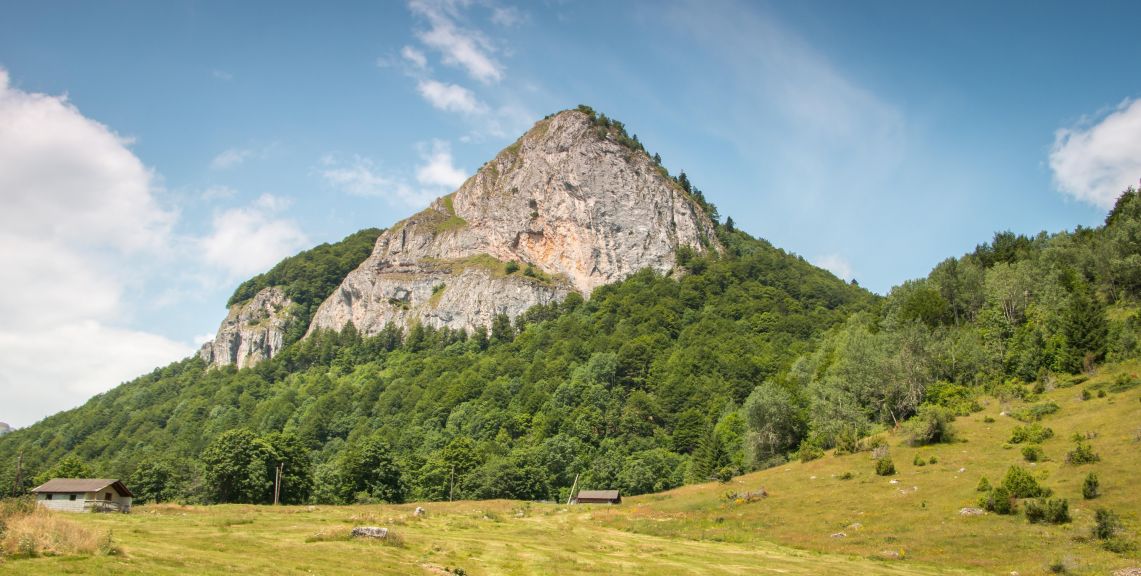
222 75
835 264
459 46
449 97
230 158
435 176
415 57
1094 161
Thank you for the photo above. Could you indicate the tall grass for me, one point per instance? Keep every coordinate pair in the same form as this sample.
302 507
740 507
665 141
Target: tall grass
27 530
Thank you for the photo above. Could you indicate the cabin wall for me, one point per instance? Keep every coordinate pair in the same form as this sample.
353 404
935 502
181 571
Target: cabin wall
61 502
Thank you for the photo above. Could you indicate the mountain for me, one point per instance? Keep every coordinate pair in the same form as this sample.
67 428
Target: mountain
573 309
572 205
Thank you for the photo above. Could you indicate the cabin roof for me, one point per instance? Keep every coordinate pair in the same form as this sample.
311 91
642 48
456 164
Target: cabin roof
57 485
598 494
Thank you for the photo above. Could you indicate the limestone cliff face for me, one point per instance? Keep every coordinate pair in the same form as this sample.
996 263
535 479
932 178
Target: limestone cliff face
567 198
253 331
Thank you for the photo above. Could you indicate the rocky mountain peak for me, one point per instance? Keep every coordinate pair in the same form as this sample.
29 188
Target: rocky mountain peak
572 205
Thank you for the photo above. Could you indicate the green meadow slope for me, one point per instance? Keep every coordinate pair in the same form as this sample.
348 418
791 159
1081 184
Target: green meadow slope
908 523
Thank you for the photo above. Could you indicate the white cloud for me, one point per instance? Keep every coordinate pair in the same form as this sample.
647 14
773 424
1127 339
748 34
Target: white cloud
217 192
221 75
230 158
438 169
45 371
80 219
416 57
449 97
459 46
436 176
1096 162
506 16
835 264
249 240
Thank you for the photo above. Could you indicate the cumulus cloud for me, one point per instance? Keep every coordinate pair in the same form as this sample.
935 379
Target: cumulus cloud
80 212
435 176
438 169
459 46
251 239
835 264
449 97
1095 161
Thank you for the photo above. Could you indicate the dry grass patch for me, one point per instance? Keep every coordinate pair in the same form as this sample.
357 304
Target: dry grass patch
39 532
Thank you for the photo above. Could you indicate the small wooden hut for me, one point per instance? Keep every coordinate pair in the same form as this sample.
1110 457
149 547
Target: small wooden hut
598 497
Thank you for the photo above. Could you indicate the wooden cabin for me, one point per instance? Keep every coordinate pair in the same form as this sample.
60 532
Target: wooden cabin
84 495
598 497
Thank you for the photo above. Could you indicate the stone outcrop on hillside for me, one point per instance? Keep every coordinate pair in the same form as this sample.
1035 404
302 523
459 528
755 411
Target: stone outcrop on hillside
571 204
253 331
576 205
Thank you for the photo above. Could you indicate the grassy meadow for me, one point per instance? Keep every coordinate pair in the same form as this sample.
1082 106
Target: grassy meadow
816 518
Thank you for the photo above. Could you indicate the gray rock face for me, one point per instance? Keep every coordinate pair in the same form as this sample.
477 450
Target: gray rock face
253 331
567 199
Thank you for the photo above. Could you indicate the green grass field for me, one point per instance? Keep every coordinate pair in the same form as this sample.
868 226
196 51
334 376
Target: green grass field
912 526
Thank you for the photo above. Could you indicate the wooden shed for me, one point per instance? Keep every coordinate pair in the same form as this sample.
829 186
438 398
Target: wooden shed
598 497
84 495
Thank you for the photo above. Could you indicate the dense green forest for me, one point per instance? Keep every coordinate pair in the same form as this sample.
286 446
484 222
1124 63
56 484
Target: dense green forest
744 359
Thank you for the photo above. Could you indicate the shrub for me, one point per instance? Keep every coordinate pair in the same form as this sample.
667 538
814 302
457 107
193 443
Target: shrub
999 500
1020 484
1101 393
933 460
1034 433
884 466
1086 394
988 420
845 476
1124 382
931 425
1119 545
1036 412
983 486
1106 524
919 461
1091 488
1033 453
1051 511
1082 454
809 452
511 267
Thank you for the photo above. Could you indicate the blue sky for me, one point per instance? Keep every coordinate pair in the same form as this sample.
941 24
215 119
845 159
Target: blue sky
153 155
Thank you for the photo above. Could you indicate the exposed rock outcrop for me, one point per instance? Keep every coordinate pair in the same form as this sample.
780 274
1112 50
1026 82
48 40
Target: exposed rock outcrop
568 199
253 331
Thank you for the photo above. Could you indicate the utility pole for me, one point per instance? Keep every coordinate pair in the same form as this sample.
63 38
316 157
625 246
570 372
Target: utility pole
571 495
277 483
451 482
18 483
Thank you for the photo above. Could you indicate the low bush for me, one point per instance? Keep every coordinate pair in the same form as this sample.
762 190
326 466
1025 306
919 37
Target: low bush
1049 511
809 452
983 486
1033 453
1036 412
1124 382
919 461
884 466
1034 433
1106 524
1020 484
933 460
1091 487
999 500
1082 454
930 425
